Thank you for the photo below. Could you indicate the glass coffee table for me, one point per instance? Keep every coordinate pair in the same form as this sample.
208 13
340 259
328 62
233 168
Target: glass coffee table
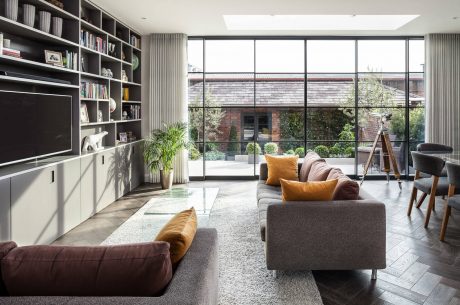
147 222
178 199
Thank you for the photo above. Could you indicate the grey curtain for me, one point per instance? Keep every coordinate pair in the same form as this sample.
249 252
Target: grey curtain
167 92
443 89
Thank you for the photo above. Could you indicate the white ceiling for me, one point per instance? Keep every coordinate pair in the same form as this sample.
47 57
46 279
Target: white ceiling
204 17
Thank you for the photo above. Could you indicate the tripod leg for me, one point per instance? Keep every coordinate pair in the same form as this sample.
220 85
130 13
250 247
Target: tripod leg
385 156
392 158
371 157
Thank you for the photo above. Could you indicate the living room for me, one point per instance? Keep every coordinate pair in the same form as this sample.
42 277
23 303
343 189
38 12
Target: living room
260 152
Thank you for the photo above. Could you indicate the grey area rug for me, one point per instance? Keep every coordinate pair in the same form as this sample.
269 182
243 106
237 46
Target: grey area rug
243 277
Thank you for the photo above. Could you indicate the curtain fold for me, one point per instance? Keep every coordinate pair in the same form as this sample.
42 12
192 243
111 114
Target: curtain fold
168 90
443 89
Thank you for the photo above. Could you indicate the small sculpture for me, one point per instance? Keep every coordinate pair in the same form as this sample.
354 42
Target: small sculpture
112 105
94 142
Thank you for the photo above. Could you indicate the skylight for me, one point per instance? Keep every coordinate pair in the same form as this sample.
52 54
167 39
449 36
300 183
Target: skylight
316 22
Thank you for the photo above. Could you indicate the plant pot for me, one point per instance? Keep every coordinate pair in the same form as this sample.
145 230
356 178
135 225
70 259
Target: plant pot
45 21
166 179
29 15
11 9
57 26
253 159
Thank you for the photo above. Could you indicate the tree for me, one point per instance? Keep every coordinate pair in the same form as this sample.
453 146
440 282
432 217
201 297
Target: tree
372 93
213 118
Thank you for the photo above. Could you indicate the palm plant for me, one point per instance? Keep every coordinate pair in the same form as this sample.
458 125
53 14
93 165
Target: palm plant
161 148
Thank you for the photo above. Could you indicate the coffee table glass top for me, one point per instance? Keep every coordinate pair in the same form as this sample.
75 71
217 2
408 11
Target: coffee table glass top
178 199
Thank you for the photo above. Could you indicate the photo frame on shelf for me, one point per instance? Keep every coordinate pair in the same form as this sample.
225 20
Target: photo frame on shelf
54 58
84 116
123 137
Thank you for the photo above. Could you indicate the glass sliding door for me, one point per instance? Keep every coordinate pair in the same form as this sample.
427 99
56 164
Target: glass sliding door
249 97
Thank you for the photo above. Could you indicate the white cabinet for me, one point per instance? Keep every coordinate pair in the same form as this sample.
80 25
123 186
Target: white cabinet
5 215
45 203
136 173
98 173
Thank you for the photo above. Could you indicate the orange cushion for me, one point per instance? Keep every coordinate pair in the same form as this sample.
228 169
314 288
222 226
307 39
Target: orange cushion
281 167
308 191
179 233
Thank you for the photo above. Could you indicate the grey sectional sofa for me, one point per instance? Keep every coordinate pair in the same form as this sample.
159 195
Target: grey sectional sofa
331 235
195 282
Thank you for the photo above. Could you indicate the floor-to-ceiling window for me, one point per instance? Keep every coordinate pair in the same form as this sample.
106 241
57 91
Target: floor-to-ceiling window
250 97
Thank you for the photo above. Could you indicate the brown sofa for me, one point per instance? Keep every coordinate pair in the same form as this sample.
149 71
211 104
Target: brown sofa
194 281
331 235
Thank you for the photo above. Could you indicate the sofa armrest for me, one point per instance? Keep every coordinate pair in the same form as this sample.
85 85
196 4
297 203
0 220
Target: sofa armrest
334 235
195 282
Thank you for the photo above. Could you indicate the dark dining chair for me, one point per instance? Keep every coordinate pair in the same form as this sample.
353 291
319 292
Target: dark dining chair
433 186
432 148
453 200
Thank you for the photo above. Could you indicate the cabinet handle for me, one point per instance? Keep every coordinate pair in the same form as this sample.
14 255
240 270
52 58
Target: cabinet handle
103 160
52 176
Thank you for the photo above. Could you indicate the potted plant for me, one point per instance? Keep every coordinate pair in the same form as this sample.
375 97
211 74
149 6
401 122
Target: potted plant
253 150
161 148
271 148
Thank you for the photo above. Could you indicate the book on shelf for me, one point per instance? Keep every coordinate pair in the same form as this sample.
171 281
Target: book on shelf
11 52
93 90
133 111
136 42
96 43
70 60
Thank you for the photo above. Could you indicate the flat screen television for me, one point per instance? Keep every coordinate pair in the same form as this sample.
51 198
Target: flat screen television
34 125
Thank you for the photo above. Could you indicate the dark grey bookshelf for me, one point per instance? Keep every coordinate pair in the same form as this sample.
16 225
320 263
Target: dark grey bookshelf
78 15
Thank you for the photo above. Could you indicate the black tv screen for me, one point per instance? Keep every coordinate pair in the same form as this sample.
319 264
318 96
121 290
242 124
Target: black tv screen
34 125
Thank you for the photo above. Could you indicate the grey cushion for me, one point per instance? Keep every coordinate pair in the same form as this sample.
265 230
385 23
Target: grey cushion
454 202
263 206
424 185
268 191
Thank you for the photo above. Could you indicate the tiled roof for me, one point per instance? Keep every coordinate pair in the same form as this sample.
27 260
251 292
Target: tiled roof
286 92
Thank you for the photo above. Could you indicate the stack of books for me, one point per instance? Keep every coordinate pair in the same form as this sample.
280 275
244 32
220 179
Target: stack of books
93 42
11 52
93 90
70 60
136 42
134 111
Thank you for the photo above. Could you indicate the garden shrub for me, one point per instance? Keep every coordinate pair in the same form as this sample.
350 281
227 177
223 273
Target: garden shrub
322 151
271 148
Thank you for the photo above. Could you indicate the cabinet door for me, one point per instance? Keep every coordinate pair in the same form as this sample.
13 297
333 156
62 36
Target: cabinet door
36 217
123 162
106 171
88 187
137 165
5 213
68 193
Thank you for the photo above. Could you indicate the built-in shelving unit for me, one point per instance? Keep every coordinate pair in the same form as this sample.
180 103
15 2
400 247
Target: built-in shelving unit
77 184
115 53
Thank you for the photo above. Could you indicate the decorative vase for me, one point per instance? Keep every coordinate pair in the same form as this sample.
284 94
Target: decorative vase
11 9
45 21
29 15
166 179
57 26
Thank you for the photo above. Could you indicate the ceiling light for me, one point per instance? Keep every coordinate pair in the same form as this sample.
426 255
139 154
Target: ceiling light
316 22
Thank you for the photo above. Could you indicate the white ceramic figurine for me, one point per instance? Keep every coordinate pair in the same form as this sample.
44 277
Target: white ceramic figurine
94 142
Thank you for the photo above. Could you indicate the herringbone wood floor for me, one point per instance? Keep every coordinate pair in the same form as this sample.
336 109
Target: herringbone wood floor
420 268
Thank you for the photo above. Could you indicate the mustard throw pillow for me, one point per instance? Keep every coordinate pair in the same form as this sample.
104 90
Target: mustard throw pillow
179 233
281 167
308 191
